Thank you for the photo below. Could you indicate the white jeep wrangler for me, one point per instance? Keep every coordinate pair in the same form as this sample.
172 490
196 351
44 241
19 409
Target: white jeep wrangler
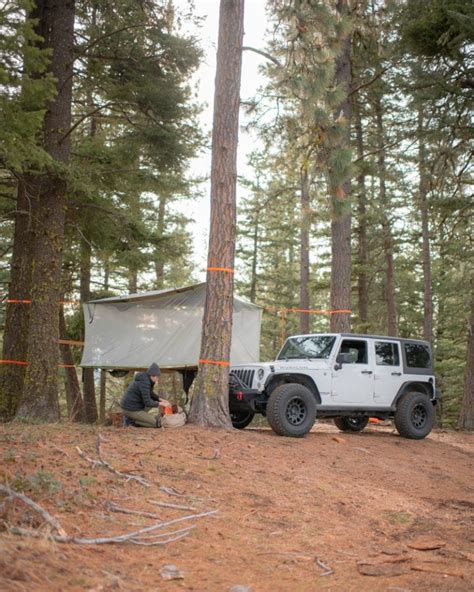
347 377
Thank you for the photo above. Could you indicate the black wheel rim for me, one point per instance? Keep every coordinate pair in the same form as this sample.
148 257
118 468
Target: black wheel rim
354 421
240 417
418 416
296 411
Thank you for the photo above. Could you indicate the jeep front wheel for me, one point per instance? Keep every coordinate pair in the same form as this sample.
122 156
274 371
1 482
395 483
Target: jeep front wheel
351 424
291 410
241 419
414 416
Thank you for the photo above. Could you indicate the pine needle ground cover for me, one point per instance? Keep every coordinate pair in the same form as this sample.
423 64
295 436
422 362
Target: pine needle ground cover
330 511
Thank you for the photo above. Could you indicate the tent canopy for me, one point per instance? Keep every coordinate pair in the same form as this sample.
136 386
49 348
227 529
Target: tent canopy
162 326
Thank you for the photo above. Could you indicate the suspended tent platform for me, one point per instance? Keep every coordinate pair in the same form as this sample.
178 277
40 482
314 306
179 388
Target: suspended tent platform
130 332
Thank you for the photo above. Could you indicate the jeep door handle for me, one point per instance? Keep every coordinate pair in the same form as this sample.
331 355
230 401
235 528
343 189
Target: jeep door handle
366 372
396 373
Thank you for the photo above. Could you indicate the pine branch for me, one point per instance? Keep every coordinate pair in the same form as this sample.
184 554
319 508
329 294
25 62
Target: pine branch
262 53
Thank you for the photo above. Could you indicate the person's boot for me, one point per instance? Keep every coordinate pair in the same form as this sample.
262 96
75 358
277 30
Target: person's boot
158 421
128 422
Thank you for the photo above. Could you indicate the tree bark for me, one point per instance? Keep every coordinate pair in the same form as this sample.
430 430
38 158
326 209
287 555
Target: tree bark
210 405
363 251
341 266
390 298
425 233
304 251
103 395
88 385
15 340
466 416
253 273
40 395
159 258
17 314
73 390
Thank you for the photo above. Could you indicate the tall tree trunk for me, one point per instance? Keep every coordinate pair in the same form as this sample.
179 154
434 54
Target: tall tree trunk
159 258
253 271
425 233
15 335
387 231
103 395
88 385
210 405
341 266
363 250
40 395
304 251
73 390
466 416
15 339
106 264
132 281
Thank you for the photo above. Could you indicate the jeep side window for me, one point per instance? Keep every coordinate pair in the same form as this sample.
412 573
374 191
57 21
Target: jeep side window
357 349
417 355
387 354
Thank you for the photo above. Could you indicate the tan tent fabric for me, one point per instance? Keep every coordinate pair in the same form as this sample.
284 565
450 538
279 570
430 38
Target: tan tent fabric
162 326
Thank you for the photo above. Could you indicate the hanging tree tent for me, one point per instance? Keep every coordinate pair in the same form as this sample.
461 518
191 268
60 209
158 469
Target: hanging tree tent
130 332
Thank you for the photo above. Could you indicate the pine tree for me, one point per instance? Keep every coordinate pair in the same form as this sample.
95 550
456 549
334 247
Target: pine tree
210 400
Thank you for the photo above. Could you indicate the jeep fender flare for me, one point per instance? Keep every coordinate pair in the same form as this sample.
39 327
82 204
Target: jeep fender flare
276 379
419 387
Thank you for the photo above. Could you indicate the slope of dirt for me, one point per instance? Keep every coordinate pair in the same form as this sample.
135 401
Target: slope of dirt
332 511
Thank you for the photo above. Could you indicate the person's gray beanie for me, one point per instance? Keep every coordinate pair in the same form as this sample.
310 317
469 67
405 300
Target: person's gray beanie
153 370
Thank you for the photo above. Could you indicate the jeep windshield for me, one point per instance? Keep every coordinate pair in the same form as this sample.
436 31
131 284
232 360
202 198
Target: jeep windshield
307 347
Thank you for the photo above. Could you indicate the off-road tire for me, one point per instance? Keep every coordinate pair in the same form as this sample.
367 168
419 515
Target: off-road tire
241 419
351 424
291 410
414 416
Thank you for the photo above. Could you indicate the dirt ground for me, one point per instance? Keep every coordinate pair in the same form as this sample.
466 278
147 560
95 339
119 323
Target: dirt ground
332 511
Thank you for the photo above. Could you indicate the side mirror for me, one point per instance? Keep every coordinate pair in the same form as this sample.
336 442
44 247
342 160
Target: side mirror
342 359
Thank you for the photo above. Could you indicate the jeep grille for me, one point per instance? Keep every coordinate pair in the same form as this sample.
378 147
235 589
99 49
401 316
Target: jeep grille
245 376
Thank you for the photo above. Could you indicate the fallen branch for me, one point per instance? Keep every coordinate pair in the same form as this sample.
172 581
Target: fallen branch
171 539
172 491
29 502
103 463
135 537
328 570
115 508
175 506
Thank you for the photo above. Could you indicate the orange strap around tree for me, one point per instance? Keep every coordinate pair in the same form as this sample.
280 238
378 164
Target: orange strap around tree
214 362
18 363
307 311
14 362
224 269
21 301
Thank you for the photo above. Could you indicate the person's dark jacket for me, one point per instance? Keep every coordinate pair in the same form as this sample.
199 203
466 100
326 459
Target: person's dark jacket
139 394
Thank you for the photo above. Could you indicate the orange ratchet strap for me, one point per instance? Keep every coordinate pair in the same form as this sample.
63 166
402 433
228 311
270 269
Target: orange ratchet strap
224 269
214 362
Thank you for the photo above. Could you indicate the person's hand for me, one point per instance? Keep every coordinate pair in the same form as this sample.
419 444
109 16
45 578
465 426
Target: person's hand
164 403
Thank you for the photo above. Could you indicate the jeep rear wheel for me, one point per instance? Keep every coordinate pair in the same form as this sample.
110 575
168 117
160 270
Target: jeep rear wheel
291 410
351 424
241 419
414 416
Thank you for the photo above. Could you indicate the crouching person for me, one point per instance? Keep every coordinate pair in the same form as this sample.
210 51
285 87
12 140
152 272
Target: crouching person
139 399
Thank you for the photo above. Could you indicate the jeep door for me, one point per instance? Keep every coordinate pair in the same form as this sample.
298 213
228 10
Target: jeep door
388 371
353 383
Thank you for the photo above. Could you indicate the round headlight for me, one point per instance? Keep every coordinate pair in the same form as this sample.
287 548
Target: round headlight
260 373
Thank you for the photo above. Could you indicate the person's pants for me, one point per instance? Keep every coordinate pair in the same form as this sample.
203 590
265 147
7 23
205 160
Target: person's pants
143 418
